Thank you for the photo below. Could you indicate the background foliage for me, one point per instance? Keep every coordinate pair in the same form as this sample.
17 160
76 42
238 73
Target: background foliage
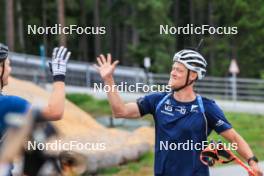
133 30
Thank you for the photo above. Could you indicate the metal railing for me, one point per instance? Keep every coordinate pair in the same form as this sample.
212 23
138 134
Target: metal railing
221 88
29 67
82 74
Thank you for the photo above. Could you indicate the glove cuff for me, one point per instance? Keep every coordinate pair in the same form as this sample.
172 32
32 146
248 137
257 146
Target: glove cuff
59 78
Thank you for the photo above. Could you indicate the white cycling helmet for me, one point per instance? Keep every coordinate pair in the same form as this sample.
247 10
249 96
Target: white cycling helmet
192 60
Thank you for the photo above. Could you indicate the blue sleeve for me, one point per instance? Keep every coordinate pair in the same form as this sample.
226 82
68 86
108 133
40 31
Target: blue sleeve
147 104
11 104
19 105
216 118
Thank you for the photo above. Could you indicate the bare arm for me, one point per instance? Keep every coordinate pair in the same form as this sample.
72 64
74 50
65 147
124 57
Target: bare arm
243 148
55 107
119 108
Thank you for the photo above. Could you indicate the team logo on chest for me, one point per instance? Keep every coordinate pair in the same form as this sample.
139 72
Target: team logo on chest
180 109
169 109
194 108
168 106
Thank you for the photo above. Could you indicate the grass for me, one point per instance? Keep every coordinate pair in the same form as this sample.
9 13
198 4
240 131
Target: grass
143 166
89 104
250 127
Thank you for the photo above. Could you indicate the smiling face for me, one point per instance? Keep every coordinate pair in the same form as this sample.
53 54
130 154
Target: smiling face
179 74
7 71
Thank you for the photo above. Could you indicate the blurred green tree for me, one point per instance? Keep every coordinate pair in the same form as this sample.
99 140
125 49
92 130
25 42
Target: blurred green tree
132 30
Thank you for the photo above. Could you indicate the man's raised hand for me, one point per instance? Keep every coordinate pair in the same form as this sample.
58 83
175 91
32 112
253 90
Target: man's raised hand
58 64
105 66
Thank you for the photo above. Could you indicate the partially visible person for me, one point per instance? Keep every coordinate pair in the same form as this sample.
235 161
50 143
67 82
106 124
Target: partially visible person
14 104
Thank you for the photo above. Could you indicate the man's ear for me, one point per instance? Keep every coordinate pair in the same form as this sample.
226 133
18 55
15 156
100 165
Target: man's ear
193 76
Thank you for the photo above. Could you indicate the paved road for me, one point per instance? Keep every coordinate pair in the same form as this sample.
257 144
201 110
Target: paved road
234 170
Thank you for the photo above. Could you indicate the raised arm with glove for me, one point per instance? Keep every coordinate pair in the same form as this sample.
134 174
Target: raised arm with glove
58 67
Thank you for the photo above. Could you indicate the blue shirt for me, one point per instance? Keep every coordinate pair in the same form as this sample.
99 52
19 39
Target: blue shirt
177 122
11 104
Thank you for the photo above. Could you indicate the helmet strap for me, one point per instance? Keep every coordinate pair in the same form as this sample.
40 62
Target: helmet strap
1 76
